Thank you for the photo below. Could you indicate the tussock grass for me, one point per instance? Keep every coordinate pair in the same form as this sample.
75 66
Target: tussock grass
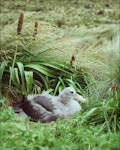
94 48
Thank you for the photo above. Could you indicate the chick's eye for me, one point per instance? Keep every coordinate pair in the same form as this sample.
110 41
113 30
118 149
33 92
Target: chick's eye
71 92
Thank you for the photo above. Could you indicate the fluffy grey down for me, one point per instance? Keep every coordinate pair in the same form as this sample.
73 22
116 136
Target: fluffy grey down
46 108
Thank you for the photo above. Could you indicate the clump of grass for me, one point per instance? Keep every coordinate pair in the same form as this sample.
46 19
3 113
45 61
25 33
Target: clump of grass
29 76
94 128
90 56
23 75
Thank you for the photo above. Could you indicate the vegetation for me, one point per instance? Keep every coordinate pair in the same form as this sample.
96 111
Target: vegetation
54 44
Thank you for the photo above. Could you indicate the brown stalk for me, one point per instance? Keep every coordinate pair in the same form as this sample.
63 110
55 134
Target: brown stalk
20 23
35 30
80 70
72 60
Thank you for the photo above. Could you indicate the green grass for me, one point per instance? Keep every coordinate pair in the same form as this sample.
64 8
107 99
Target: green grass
96 127
89 30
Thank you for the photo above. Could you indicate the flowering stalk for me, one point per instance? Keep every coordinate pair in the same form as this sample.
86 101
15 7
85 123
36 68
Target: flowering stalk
72 60
19 29
20 23
35 30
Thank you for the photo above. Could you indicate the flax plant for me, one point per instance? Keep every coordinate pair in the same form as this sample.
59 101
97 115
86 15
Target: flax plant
19 30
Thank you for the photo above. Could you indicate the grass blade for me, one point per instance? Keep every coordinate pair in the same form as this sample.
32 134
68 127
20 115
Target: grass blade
14 75
2 69
41 69
22 74
29 80
57 66
88 114
45 81
57 87
17 75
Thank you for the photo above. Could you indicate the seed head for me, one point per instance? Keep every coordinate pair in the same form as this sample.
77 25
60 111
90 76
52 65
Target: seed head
72 60
35 30
20 23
